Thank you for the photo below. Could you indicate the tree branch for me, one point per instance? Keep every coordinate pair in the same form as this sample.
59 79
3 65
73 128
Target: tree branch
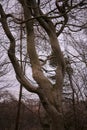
11 53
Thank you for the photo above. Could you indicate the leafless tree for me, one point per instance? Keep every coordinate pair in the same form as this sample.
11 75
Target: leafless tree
53 17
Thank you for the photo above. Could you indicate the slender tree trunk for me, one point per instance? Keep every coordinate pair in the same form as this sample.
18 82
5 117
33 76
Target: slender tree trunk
19 110
20 91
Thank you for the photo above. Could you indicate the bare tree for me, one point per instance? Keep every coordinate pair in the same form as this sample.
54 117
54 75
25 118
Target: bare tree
49 93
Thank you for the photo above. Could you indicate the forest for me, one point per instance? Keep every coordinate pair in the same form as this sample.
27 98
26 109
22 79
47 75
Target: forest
43 65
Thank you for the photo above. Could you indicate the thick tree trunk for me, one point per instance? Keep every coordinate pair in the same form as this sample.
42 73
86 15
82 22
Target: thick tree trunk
53 124
51 98
54 114
57 124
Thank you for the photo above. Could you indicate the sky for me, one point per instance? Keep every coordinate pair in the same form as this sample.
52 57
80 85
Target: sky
10 78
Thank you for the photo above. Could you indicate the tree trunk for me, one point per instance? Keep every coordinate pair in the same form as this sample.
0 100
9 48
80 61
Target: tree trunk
48 123
57 124
50 95
55 117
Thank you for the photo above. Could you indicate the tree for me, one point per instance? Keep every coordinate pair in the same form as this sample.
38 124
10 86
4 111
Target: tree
58 13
